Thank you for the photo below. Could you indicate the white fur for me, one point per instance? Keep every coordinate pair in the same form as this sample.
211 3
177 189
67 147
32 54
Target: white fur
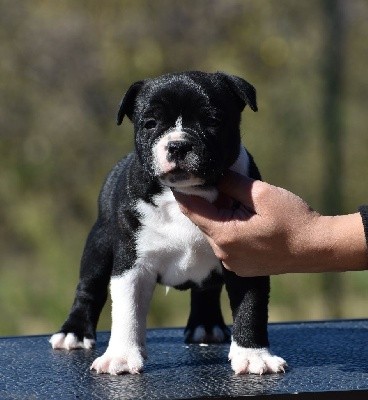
159 150
70 342
254 361
179 124
170 245
131 294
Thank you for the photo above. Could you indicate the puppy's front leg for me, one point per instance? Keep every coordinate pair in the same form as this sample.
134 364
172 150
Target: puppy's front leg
131 293
249 352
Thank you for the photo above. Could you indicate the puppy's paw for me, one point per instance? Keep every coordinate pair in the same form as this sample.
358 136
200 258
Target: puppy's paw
115 363
254 361
70 341
215 334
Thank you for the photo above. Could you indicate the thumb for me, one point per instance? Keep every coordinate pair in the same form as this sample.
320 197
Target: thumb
200 211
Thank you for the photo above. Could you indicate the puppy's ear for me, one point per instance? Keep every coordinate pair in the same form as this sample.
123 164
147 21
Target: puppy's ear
128 102
245 92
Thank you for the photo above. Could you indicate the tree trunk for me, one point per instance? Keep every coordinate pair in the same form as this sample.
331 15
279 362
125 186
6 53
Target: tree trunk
332 125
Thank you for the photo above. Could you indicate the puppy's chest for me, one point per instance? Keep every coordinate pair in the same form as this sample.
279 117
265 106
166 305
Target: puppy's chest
170 245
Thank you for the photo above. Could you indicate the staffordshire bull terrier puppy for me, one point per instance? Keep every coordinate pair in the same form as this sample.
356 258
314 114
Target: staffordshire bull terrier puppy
186 136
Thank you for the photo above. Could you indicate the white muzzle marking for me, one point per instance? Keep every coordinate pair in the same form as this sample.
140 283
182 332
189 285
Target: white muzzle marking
164 168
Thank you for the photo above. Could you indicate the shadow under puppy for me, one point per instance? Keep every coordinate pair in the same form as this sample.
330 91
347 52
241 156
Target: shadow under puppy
186 136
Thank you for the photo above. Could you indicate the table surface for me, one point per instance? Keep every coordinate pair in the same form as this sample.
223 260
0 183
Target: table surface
324 357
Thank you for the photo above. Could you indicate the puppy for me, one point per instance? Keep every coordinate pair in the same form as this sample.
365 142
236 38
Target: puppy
186 136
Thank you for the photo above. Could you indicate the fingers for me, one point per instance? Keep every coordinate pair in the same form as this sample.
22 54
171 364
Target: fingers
210 217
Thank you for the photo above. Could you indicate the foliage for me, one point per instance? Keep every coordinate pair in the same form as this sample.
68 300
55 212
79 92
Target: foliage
65 65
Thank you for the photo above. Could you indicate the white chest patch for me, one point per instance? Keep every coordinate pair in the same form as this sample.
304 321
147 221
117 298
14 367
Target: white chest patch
170 245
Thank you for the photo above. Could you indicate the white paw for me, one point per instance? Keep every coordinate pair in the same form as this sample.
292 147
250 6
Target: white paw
70 342
254 361
110 363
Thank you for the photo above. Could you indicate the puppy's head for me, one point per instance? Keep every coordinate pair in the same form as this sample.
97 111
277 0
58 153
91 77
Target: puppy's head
187 125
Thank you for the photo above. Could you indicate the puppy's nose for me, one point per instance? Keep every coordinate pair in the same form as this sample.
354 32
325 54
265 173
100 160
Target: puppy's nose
178 149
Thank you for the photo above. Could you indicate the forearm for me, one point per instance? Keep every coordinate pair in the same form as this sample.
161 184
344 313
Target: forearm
338 244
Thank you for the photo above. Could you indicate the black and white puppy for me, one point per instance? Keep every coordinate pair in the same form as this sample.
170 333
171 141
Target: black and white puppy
186 136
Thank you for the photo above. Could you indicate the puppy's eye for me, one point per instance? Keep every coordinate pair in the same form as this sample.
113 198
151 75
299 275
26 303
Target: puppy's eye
150 124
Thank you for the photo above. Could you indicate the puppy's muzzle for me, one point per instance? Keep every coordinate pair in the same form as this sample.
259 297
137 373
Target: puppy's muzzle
175 160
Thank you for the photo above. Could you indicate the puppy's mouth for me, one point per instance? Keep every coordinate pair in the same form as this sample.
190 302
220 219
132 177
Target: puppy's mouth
178 177
187 183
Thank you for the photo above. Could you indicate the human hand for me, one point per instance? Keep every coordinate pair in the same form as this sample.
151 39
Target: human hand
273 231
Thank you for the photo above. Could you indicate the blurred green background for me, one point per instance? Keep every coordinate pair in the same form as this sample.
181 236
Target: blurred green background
64 66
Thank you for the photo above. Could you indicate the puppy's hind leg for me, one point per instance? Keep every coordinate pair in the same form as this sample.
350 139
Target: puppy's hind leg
79 330
206 323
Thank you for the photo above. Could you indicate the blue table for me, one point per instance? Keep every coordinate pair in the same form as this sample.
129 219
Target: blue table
327 359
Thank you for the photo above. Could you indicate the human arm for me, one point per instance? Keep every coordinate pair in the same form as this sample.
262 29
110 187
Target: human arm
274 231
